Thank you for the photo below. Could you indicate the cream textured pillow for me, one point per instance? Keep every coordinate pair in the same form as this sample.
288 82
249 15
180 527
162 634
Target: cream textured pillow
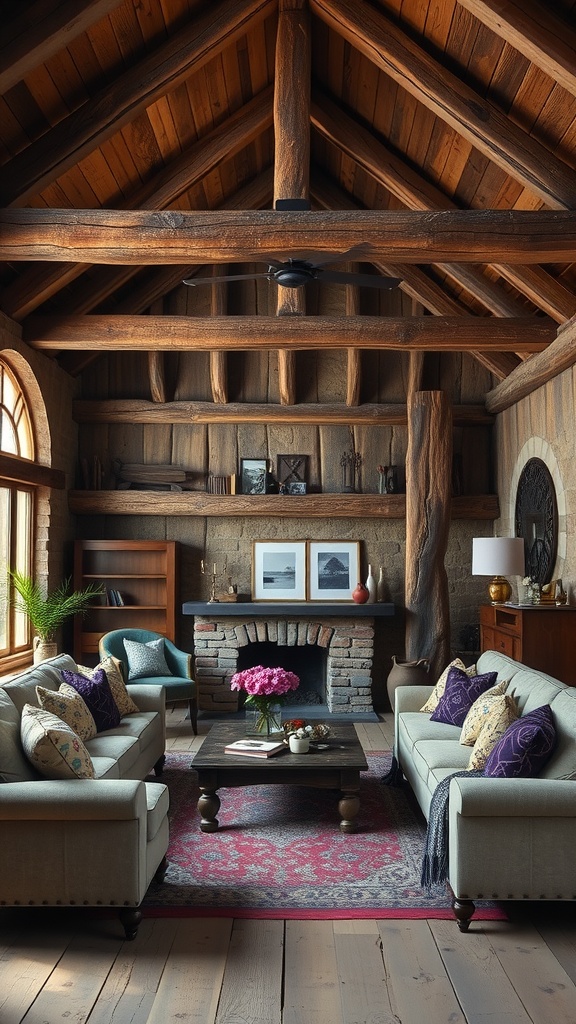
504 711
122 698
67 704
481 708
52 746
432 702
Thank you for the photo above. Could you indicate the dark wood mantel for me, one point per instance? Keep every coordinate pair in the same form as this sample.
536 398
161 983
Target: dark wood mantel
258 609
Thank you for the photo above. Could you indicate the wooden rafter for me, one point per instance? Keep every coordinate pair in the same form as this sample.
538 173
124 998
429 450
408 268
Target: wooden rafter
535 372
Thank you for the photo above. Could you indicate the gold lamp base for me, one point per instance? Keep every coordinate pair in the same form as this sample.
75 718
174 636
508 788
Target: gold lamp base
499 590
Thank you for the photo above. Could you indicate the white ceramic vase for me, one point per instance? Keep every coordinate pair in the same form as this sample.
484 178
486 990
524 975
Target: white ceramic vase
371 586
299 744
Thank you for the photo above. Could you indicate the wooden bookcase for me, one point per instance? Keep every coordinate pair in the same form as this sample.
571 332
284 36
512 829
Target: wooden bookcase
143 572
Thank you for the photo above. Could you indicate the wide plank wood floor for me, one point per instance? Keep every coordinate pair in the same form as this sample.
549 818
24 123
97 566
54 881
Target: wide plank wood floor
75 967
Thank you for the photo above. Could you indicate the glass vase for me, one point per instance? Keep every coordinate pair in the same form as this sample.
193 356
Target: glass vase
264 719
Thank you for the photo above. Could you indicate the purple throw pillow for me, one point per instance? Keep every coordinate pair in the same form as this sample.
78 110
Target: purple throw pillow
459 695
525 746
96 693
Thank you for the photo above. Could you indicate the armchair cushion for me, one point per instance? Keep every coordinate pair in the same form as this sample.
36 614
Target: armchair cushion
146 659
96 692
53 747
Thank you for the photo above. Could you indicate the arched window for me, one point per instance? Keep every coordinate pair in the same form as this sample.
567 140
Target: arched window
16 509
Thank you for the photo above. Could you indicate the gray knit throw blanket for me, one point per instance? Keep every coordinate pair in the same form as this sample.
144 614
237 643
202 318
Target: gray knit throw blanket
435 859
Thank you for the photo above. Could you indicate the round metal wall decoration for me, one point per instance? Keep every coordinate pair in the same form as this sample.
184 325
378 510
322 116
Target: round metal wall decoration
536 520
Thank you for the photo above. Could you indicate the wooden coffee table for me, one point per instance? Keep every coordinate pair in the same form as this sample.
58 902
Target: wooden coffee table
336 768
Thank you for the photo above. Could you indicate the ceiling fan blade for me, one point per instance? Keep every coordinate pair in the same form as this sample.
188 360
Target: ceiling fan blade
364 280
193 281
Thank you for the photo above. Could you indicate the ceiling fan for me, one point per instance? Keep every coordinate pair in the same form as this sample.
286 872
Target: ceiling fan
301 270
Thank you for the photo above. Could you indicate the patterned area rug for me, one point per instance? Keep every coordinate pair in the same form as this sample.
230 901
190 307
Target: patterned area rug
279 853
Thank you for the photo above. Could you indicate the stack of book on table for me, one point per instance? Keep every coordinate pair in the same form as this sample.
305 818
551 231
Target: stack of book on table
255 747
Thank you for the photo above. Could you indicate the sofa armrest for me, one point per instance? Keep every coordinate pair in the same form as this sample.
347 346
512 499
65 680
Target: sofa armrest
148 697
513 798
73 800
411 698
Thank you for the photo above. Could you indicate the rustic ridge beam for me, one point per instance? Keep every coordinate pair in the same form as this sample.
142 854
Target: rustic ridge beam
138 410
180 333
237 236
535 372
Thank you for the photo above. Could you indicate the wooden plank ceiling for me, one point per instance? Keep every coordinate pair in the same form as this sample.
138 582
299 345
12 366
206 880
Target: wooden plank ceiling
436 138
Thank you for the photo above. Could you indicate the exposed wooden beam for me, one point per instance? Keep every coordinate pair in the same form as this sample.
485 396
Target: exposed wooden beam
12 467
128 237
38 32
480 122
545 291
536 30
196 43
138 410
535 372
179 333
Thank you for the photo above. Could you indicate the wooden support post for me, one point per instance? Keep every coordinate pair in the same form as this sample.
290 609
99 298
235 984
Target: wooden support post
428 511
219 359
354 365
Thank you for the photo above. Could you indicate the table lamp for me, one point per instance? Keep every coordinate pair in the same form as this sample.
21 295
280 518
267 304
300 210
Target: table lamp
498 557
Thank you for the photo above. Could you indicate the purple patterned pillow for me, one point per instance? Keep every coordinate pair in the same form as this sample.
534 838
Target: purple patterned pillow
459 695
525 746
97 694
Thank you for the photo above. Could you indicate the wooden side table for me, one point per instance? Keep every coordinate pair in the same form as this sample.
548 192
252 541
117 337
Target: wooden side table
540 636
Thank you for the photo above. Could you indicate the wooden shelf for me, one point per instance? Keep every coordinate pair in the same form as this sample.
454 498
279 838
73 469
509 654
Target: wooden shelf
313 506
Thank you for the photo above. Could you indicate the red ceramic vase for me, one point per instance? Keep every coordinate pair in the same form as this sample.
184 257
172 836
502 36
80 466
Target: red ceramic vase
361 594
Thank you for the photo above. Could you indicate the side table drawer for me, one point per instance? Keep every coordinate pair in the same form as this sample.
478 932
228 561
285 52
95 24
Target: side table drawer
504 644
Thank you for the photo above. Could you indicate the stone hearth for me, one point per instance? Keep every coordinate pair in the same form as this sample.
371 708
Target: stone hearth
348 642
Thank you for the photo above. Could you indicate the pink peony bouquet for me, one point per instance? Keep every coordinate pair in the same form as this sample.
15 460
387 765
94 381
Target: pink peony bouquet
265 682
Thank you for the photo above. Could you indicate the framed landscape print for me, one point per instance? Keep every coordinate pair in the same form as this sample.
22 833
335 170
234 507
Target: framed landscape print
253 476
333 569
279 570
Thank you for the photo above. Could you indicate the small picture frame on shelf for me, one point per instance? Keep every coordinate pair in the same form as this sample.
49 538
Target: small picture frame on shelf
297 487
333 569
253 475
292 469
279 570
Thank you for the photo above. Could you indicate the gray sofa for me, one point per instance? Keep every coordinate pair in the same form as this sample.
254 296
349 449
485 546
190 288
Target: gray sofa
509 839
95 842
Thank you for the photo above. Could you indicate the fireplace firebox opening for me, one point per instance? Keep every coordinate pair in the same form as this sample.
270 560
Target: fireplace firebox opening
307 662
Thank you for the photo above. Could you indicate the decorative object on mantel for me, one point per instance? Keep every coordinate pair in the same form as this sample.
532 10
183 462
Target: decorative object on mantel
381 587
350 461
498 557
371 586
279 570
360 594
406 673
333 569
266 690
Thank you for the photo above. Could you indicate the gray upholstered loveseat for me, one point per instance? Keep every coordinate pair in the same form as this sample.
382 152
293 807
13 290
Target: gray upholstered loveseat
509 839
83 841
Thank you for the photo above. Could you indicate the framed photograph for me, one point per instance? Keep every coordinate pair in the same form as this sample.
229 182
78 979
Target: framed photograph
279 570
291 469
333 569
297 487
253 476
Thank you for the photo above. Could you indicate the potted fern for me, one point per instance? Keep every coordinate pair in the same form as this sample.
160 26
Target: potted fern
47 612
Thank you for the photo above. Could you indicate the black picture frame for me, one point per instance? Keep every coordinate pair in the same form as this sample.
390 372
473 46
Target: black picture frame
253 476
291 469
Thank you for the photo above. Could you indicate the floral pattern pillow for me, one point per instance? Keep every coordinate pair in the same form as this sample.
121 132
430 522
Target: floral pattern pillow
70 707
503 711
432 702
479 712
52 746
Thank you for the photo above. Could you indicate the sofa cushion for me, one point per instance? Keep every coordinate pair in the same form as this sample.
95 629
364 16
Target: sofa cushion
111 666
22 688
123 749
14 765
460 692
432 701
525 746
562 763
503 711
67 704
146 659
97 694
53 747
479 712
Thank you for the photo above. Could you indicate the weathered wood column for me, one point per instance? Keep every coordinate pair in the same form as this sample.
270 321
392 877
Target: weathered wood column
428 500
292 149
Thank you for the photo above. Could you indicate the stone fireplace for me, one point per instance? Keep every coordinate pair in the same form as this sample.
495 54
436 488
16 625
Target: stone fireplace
346 638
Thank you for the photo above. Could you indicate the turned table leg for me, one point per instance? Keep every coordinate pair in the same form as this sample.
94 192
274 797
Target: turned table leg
208 806
349 805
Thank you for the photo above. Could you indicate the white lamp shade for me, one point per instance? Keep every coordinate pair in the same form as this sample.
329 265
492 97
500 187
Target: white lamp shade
498 556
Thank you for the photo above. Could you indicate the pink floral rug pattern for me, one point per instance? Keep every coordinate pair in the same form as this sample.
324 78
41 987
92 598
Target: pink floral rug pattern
279 853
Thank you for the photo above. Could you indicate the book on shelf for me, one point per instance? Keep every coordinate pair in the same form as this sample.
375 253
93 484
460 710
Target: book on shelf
255 747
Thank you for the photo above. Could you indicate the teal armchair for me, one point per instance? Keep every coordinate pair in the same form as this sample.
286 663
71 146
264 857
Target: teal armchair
179 685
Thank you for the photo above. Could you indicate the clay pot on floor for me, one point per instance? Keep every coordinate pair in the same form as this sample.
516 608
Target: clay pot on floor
406 673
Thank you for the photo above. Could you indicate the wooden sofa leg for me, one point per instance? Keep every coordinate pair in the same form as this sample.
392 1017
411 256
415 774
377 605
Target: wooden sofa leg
463 911
161 870
193 709
130 918
159 766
